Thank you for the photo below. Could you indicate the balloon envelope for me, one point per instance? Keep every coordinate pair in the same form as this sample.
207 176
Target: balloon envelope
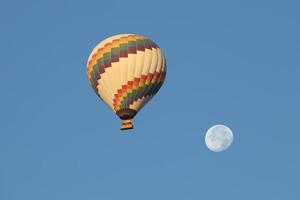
126 71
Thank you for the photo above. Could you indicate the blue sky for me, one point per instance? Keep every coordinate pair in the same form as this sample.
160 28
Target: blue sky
229 62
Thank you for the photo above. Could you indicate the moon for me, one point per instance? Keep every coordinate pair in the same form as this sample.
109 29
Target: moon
218 138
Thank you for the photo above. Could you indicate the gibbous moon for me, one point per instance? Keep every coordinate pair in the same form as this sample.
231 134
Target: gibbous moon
218 138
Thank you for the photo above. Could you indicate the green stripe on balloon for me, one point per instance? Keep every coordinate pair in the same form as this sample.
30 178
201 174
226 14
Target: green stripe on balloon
132 97
122 51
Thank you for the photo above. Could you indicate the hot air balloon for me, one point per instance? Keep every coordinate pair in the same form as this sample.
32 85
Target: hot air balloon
126 71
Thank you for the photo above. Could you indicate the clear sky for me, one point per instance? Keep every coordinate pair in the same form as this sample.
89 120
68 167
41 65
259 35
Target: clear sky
229 62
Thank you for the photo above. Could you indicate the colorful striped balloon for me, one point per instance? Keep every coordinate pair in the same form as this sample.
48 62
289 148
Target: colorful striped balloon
126 71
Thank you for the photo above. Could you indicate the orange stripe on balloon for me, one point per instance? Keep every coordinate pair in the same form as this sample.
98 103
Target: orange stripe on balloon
107 48
136 83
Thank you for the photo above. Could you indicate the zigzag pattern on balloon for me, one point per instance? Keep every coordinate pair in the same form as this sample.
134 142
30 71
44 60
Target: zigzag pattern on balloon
138 88
111 52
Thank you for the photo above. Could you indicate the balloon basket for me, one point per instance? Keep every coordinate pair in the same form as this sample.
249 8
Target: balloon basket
126 125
